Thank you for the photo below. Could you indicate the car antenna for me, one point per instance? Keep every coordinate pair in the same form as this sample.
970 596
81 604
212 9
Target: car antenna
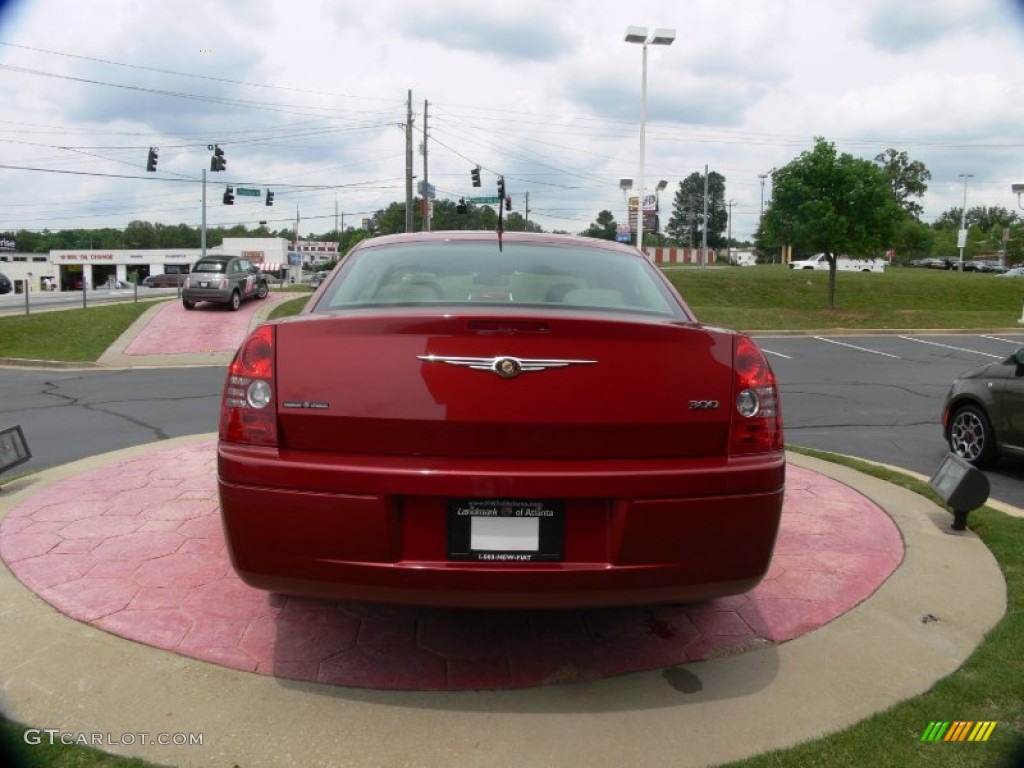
501 203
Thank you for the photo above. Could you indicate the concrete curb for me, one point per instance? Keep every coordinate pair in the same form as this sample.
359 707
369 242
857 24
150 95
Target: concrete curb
58 673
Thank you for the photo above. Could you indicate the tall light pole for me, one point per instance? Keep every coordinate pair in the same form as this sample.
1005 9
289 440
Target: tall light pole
642 36
962 234
762 177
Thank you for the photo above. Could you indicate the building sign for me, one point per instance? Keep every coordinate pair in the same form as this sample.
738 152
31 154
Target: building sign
85 256
8 244
256 257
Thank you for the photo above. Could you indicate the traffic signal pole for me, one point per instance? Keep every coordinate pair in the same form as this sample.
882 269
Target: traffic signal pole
202 232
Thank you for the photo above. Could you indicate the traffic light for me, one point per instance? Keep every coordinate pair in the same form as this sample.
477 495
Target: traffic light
475 173
217 161
508 202
151 161
501 187
460 207
270 197
229 196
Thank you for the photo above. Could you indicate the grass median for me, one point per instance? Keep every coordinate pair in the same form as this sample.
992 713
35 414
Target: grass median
763 299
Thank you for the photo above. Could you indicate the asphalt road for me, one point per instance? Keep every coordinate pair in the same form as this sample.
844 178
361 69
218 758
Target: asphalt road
877 397
38 301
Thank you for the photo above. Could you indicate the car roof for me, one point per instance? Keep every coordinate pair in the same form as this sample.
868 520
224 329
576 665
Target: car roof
536 238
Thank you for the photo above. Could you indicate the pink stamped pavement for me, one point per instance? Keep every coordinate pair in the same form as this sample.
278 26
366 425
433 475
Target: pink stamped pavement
135 548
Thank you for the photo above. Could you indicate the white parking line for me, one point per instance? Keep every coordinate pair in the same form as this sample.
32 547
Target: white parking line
948 346
777 354
860 349
1018 342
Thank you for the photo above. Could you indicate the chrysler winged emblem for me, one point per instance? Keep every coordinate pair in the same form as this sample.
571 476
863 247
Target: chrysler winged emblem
505 366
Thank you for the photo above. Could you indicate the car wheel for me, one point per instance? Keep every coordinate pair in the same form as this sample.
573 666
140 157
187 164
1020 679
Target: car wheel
236 301
970 436
262 291
188 304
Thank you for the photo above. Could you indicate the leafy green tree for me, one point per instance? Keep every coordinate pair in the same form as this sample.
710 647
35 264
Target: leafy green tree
912 239
907 179
686 224
604 227
826 202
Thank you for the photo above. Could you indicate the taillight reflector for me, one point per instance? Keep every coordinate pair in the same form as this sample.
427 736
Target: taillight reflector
757 412
247 413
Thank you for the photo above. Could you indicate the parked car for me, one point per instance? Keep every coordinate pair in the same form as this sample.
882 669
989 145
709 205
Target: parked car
1014 272
165 280
6 286
983 415
460 419
316 279
224 280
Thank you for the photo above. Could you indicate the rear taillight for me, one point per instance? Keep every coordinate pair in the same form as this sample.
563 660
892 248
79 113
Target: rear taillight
757 413
247 412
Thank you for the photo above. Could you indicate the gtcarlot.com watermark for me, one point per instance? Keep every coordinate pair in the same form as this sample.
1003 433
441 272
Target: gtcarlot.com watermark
142 738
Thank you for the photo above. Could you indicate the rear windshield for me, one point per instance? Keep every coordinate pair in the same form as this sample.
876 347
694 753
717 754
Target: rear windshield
209 266
477 273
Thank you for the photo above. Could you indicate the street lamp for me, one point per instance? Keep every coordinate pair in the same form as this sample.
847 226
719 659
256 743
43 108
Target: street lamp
962 235
641 36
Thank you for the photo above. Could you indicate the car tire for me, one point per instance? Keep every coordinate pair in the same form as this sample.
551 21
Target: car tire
263 291
236 301
970 436
188 304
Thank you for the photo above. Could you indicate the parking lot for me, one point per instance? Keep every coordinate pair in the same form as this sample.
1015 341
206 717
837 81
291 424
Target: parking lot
880 397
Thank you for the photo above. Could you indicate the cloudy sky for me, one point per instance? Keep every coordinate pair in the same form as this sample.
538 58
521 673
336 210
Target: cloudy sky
308 98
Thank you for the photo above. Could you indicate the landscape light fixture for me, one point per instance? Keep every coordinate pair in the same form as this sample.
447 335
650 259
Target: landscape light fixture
642 36
1018 190
13 448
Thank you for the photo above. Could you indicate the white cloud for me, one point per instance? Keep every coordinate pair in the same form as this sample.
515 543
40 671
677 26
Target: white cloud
312 93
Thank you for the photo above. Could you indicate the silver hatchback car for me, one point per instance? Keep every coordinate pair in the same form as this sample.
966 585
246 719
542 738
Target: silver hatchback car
223 280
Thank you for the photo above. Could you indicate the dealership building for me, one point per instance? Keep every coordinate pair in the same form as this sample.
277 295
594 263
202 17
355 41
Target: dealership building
98 267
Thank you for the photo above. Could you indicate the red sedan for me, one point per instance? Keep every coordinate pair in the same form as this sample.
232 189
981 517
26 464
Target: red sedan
537 421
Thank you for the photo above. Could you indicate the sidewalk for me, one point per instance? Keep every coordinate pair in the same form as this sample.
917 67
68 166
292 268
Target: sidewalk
63 673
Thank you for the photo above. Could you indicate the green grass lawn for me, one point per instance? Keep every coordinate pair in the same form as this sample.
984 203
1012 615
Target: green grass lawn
73 335
773 297
762 298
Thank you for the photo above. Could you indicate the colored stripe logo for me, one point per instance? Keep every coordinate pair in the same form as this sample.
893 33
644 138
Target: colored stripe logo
958 730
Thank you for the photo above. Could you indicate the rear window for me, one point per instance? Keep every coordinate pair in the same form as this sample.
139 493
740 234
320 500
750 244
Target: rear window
477 273
209 266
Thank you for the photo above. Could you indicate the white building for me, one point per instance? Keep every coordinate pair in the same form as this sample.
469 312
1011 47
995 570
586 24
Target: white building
22 268
97 267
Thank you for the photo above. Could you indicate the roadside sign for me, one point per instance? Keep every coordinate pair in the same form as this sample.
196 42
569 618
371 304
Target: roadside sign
492 200
247 191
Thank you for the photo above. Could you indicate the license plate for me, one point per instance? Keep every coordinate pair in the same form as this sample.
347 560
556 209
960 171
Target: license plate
506 530
204 284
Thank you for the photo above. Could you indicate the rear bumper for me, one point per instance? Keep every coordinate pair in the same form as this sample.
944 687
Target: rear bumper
353 528
215 295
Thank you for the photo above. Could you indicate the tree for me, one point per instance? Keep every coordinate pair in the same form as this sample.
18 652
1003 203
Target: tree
604 227
906 179
686 225
831 203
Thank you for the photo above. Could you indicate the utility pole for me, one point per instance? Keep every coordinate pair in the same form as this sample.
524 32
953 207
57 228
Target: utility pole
426 177
408 163
527 207
729 237
291 267
202 234
704 229
962 234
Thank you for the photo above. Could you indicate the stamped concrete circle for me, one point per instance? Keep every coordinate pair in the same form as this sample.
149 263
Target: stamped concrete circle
136 548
